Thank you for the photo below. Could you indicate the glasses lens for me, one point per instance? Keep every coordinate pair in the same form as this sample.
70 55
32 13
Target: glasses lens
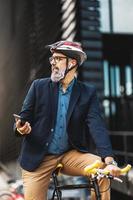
56 58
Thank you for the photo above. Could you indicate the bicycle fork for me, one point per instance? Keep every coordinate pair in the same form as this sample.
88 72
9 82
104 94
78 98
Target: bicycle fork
57 192
96 188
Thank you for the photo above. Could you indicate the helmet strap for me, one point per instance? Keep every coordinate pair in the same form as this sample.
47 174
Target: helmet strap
67 68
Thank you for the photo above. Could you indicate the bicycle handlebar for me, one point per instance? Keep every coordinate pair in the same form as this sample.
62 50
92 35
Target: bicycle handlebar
95 168
92 169
97 164
126 169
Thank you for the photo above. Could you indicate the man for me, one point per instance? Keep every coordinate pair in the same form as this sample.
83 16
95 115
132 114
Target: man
60 112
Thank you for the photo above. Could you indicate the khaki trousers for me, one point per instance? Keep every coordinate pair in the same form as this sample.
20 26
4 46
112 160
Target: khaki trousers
36 183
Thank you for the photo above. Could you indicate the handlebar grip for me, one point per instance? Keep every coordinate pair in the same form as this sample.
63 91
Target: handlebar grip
90 168
125 169
97 170
122 171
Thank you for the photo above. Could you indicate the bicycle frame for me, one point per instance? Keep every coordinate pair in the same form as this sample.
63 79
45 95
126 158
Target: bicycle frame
93 183
95 172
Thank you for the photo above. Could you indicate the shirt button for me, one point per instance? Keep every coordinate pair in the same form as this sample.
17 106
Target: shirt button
52 130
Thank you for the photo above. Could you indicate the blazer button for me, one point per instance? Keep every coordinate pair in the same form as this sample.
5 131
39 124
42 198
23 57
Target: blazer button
47 144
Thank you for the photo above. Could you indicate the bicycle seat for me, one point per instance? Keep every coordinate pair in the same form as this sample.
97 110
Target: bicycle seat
58 169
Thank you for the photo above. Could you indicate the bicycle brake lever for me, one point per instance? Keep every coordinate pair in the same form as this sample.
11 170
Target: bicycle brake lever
118 179
115 178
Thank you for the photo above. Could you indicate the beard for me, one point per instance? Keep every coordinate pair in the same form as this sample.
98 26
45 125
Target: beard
57 75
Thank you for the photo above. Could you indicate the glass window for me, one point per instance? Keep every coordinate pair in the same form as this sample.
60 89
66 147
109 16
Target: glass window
104 13
122 15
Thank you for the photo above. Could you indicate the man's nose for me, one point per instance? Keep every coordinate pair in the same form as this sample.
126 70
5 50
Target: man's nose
53 62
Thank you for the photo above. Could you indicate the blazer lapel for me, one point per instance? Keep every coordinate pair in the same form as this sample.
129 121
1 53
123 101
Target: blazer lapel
73 100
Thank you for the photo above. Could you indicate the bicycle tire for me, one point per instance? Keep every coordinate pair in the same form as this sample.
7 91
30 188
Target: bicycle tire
6 196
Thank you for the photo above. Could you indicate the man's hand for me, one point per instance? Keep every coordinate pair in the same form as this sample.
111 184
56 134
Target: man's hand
25 129
112 167
114 170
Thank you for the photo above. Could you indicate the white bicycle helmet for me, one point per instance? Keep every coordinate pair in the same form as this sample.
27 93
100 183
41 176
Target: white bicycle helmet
70 49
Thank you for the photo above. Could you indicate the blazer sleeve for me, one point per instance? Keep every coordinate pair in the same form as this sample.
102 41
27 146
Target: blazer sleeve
97 127
27 111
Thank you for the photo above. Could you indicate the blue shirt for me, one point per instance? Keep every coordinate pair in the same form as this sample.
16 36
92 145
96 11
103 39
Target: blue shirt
59 142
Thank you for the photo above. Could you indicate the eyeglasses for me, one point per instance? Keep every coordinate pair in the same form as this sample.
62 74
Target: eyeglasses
56 58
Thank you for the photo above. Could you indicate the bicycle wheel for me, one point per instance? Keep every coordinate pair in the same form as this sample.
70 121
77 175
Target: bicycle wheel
6 196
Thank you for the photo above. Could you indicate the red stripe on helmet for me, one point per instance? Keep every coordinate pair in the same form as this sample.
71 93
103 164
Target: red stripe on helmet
72 44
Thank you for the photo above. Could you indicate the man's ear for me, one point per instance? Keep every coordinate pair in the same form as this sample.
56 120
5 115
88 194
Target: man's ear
72 64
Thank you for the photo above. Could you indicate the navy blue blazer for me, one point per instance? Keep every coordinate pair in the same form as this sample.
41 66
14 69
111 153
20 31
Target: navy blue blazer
83 118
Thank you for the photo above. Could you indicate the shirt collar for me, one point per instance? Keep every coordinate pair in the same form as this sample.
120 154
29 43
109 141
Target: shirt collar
69 88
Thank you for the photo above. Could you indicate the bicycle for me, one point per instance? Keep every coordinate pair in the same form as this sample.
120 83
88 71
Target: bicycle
93 171
15 191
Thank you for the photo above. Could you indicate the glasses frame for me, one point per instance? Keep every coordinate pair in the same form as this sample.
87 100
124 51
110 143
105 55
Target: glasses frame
57 58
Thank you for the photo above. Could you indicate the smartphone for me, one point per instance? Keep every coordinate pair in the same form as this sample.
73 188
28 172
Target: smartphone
19 117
